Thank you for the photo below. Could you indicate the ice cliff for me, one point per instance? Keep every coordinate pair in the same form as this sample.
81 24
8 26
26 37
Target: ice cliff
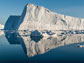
40 18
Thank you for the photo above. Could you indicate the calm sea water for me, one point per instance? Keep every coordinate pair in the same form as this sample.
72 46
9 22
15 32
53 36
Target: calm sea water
13 49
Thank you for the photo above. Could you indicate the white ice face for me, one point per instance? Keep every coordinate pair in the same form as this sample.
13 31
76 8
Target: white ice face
1 26
40 18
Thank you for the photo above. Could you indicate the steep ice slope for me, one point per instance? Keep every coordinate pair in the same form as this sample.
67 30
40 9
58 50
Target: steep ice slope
1 26
37 17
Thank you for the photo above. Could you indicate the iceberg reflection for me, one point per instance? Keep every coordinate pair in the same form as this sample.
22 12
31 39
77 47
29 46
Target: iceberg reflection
32 48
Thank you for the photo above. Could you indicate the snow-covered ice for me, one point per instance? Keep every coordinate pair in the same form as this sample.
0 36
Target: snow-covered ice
39 18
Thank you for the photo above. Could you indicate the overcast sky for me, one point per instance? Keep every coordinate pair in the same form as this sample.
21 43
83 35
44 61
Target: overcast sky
67 7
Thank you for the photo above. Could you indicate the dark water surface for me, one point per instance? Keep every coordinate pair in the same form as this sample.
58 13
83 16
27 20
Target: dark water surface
14 49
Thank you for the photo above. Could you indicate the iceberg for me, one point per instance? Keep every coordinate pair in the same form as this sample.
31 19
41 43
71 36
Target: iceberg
1 26
39 18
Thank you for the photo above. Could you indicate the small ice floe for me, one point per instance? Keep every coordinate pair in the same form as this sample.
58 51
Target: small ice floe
1 32
80 46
